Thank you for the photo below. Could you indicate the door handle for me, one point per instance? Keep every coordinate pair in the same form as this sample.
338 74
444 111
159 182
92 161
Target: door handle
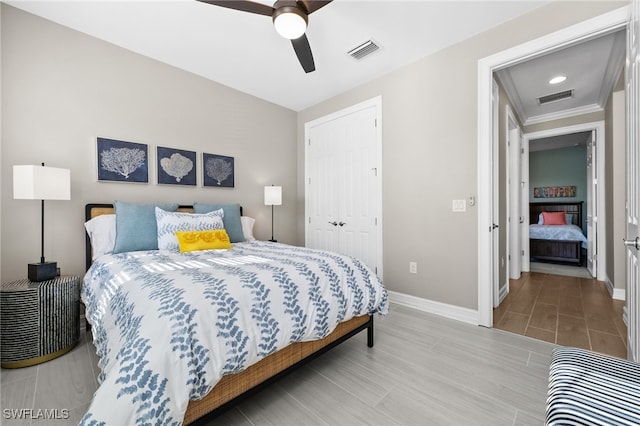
334 223
342 223
494 226
632 243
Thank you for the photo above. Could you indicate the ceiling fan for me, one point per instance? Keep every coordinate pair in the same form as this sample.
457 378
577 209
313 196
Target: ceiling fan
290 20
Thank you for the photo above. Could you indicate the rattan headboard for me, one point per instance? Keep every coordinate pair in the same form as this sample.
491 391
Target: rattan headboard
96 209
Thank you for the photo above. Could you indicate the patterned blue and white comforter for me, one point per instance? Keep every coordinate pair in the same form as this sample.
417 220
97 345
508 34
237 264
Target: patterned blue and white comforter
167 326
557 232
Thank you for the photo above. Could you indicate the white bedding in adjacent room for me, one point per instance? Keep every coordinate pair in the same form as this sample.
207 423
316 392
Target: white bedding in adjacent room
557 232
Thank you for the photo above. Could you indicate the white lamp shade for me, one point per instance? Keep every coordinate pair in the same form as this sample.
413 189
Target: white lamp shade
41 183
272 195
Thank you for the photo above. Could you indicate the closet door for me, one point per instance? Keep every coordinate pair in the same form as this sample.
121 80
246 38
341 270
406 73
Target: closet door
342 191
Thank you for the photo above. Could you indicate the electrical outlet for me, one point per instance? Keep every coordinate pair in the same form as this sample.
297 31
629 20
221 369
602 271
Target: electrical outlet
413 267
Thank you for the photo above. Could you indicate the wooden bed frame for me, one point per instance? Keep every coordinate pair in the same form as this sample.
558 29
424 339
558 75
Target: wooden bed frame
556 250
233 388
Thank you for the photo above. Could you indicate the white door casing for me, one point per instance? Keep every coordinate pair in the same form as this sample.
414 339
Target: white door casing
514 202
632 80
495 158
599 25
524 204
343 198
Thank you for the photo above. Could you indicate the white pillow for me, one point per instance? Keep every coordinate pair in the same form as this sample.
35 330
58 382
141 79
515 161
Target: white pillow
247 227
102 233
170 222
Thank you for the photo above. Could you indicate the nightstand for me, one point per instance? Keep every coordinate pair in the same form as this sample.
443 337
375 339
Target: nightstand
39 321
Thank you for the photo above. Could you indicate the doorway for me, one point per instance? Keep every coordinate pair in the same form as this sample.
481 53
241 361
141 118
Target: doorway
589 136
603 24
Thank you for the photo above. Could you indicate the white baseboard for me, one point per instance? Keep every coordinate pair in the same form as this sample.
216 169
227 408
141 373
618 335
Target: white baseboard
619 294
609 286
444 310
616 293
504 290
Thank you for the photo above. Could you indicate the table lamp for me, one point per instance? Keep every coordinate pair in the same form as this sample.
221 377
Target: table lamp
41 183
272 197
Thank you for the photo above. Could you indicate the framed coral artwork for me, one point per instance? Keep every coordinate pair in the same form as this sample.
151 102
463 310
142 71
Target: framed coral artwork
176 166
217 171
122 161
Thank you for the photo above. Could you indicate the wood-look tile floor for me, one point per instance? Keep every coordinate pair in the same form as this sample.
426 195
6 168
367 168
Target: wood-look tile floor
423 370
569 311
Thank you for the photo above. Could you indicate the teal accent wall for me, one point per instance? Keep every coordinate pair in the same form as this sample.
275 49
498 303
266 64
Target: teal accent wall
560 167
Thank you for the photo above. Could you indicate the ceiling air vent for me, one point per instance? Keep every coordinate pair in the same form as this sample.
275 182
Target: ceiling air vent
365 49
554 97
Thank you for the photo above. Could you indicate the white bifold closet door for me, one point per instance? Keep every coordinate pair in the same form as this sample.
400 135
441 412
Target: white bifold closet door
342 194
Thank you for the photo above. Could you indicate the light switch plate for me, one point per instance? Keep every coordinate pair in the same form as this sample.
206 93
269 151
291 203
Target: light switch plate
459 205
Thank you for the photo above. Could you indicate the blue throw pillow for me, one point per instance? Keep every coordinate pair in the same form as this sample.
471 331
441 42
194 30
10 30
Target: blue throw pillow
136 227
231 219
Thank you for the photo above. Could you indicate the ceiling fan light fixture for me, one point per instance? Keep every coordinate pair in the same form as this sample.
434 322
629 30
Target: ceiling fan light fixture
290 22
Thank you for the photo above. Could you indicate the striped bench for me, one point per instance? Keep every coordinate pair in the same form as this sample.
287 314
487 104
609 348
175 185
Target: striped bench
587 388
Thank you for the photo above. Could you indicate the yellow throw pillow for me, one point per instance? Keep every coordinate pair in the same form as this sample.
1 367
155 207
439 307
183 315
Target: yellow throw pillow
203 240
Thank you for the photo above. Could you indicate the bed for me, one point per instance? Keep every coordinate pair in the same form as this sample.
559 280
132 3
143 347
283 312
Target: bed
557 243
162 361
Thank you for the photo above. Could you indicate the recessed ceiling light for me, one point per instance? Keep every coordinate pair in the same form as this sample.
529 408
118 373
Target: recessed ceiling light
558 79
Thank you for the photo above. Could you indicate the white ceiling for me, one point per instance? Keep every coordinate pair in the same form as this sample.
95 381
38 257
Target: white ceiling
243 51
560 141
591 67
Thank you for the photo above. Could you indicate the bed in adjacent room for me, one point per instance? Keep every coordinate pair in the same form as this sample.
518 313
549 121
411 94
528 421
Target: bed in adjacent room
185 327
555 232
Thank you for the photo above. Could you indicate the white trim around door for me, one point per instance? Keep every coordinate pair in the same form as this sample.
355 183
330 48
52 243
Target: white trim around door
588 29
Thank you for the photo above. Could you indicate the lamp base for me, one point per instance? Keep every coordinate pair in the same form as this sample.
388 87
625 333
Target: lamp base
42 271
273 241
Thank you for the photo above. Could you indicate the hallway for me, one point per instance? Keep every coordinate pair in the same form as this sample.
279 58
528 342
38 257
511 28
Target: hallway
569 311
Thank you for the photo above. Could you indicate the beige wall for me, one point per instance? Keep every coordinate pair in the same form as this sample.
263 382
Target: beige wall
429 112
615 193
61 89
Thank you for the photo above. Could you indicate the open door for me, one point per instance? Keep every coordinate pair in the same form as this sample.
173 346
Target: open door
632 241
592 205
495 231
515 196
524 203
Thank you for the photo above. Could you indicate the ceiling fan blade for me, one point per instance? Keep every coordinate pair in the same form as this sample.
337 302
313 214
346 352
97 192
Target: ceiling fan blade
313 5
303 52
244 6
